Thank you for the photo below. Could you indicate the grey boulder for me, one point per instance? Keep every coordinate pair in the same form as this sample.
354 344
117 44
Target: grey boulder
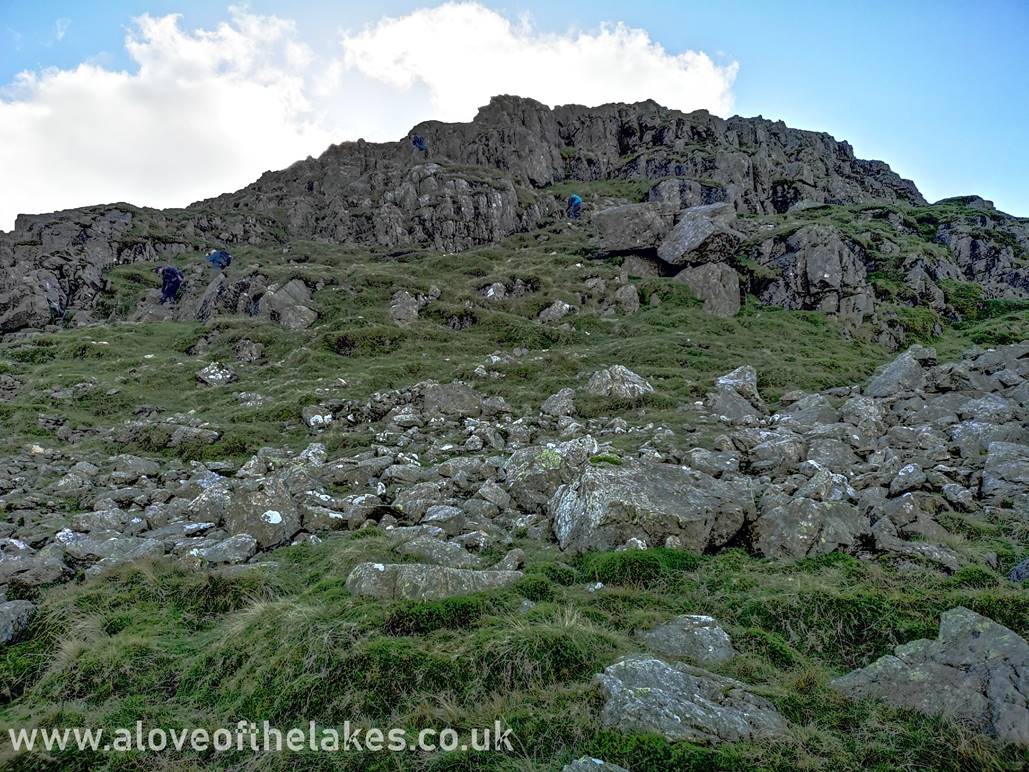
975 672
716 284
15 616
703 233
618 381
805 527
264 509
905 373
696 637
680 702
1006 474
607 505
411 581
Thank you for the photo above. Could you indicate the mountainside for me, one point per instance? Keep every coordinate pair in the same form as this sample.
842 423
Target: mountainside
731 472
805 224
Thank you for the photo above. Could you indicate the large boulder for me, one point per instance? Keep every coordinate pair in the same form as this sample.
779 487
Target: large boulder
451 400
716 284
905 373
534 473
233 550
974 672
680 702
618 381
801 527
632 227
1006 474
413 581
702 234
29 298
736 398
20 563
559 404
606 505
264 509
289 305
817 270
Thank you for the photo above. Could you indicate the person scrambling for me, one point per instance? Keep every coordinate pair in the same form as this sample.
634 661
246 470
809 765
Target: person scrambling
219 258
420 144
574 206
171 280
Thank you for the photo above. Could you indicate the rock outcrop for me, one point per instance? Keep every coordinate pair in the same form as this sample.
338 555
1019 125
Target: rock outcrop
974 672
489 178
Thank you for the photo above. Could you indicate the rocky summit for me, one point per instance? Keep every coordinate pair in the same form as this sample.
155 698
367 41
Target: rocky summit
729 471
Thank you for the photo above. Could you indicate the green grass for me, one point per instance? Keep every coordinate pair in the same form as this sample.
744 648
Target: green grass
675 345
154 643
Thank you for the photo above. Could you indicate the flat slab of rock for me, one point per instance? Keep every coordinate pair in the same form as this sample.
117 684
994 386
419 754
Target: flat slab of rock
976 672
233 550
694 636
411 581
216 374
645 694
438 552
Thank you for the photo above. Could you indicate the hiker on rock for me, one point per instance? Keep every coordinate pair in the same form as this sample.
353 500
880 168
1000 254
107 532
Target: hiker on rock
574 207
420 144
171 280
219 258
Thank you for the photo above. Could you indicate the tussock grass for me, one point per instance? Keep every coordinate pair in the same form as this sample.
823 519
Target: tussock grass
289 644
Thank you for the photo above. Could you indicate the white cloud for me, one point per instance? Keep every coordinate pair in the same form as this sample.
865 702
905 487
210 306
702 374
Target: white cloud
61 28
463 53
206 111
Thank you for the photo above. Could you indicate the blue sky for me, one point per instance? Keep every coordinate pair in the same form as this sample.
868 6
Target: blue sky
939 90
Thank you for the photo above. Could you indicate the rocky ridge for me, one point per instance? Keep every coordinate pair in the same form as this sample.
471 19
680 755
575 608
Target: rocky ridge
733 207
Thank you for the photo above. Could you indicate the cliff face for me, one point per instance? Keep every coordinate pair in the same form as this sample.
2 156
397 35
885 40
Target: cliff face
508 171
465 191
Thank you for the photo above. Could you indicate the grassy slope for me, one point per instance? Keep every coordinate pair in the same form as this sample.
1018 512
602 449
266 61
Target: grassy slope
288 643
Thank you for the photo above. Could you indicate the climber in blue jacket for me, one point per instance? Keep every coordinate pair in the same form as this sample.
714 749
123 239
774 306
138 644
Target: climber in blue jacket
171 280
219 258
574 207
